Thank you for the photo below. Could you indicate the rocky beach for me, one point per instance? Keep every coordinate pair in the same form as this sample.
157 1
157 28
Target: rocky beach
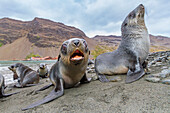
149 94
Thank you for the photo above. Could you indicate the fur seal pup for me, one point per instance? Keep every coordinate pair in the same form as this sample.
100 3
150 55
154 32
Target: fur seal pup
69 70
2 87
43 71
132 51
26 76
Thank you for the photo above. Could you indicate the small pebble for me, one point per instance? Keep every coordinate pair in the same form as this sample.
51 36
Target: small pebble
166 81
95 77
87 68
91 71
163 60
93 67
153 79
159 59
164 67
165 73
154 65
158 63
153 75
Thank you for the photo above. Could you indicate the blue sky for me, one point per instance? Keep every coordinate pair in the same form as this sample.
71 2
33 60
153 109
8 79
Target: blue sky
94 17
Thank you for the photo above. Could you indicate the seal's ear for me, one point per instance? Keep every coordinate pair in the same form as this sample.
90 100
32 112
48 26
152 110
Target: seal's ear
59 56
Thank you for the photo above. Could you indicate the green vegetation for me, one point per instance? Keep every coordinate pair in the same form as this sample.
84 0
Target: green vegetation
101 49
1 44
155 48
32 55
37 36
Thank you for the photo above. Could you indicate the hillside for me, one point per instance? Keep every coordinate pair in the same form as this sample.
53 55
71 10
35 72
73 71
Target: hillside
44 37
158 43
40 36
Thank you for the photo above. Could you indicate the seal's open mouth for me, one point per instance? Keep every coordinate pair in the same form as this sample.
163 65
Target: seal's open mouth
77 55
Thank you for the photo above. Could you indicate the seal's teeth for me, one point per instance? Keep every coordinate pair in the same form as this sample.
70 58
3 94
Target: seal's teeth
77 58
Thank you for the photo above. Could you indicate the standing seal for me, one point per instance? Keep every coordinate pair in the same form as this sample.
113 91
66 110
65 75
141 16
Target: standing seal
69 70
43 71
2 87
26 76
130 56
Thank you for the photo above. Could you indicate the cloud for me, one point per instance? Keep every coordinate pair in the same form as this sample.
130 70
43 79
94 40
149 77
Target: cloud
91 16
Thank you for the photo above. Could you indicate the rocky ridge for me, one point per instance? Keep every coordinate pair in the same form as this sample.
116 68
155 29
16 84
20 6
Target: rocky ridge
40 32
39 36
158 43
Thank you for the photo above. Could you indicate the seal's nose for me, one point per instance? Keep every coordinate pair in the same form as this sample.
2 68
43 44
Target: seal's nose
142 6
76 42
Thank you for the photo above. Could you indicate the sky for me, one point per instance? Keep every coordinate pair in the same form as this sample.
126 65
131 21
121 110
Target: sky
93 17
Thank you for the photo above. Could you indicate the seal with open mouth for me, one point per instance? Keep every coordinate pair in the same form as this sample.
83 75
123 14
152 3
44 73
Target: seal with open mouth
68 71
2 87
131 54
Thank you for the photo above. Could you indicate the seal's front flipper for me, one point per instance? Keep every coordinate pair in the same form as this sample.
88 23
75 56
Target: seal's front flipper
55 93
102 78
45 87
7 95
85 79
27 85
136 75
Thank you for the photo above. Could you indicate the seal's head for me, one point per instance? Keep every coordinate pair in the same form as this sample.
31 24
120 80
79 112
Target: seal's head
13 68
42 66
135 19
74 51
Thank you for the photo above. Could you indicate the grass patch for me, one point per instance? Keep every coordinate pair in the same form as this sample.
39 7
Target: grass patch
101 49
154 48
1 44
38 37
32 55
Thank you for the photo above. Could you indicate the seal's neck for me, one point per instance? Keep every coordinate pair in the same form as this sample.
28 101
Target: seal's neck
134 32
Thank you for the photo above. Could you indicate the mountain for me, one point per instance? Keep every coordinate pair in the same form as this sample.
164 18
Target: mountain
44 37
39 36
158 43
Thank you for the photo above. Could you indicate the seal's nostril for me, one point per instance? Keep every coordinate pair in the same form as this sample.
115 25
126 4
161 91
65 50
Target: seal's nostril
76 42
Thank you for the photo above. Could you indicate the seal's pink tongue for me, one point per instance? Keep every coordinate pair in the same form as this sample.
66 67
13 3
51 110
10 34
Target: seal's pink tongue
77 51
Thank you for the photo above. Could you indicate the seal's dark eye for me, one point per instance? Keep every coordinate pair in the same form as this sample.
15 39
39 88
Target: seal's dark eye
134 15
85 44
64 48
131 15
